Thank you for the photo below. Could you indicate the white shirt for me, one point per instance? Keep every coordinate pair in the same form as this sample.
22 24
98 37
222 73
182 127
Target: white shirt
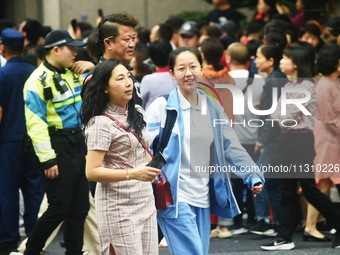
2 61
198 137
246 133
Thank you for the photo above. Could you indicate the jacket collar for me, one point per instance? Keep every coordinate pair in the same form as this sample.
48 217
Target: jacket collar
53 68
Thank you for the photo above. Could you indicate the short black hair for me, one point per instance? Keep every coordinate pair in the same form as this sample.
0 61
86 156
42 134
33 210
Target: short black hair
277 37
272 51
175 22
328 59
212 50
174 54
309 28
108 26
34 30
159 52
165 32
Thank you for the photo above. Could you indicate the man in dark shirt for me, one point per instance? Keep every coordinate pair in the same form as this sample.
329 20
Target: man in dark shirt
223 12
18 168
117 40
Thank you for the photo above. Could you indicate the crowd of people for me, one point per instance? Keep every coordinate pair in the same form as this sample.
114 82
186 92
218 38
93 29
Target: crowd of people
82 110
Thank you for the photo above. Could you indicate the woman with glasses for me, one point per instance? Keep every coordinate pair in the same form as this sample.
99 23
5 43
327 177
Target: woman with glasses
199 155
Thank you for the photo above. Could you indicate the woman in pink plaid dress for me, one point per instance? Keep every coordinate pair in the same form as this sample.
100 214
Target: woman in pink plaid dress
124 201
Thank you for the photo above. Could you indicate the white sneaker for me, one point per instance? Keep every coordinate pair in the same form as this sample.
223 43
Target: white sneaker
163 243
16 253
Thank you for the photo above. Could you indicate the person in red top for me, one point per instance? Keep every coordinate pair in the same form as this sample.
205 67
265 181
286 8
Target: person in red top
326 131
265 10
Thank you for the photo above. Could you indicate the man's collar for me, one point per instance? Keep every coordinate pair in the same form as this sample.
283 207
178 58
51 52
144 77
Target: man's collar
127 65
53 68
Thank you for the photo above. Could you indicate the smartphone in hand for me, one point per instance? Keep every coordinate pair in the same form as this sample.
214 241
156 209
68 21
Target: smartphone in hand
158 161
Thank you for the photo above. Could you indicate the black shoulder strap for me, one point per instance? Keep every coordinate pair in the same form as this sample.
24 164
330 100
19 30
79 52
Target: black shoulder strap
169 124
250 80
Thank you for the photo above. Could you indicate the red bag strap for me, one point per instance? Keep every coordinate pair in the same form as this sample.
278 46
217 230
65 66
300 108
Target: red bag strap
131 131
140 140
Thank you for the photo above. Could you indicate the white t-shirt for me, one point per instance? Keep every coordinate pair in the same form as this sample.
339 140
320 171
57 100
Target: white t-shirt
198 137
247 134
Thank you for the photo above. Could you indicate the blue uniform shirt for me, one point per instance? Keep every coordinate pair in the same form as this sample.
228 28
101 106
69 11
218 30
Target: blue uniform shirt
12 79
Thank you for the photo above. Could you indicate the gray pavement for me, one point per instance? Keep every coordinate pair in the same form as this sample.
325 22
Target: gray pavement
246 244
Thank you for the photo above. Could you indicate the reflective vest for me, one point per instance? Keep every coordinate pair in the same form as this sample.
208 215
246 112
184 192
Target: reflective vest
48 105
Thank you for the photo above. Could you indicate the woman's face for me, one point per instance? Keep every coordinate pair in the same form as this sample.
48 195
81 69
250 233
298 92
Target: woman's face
120 86
262 63
262 7
288 67
299 5
311 39
187 70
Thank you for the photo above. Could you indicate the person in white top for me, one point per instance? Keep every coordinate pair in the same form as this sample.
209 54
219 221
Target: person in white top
195 148
237 57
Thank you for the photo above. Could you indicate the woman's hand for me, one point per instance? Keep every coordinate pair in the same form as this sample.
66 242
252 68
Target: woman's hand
257 188
258 147
144 173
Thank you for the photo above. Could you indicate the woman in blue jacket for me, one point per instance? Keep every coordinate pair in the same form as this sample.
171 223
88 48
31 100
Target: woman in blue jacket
201 151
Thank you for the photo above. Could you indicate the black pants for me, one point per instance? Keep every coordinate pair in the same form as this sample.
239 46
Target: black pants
239 188
67 198
298 149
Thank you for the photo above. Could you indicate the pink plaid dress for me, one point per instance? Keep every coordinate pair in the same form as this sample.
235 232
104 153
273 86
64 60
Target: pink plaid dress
126 213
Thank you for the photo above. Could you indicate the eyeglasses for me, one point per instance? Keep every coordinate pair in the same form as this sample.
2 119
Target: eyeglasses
192 68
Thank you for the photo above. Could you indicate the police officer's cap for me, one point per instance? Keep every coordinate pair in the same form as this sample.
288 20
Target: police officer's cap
59 38
12 38
189 28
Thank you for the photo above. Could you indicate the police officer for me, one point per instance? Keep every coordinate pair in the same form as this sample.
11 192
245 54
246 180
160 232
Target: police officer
52 105
18 168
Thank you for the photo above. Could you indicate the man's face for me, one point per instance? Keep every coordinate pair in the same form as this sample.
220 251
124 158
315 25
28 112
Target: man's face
188 41
310 38
64 56
123 46
153 34
21 27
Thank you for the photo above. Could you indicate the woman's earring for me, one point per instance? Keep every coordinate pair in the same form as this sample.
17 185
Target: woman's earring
105 91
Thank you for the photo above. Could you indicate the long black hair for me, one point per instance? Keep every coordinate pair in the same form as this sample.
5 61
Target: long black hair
95 100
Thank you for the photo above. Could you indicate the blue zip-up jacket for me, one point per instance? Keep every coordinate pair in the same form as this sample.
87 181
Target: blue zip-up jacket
226 151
